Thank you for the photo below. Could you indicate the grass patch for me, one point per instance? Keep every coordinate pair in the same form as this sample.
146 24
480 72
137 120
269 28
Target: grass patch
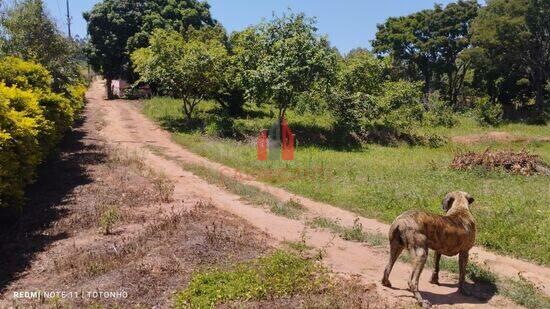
299 246
280 274
524 293
353 233
520 292
290 209
511 211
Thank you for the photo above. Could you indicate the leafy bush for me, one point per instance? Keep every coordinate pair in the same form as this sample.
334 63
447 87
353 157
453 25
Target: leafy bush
21 123
32 121
439 113
488 113
24 74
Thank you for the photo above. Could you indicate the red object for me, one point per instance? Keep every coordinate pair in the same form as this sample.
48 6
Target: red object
288 142
262 145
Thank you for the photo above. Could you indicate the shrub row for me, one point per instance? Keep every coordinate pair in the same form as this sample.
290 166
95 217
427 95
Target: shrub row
33 119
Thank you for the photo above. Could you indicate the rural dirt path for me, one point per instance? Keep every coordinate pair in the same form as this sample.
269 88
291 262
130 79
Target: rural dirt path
126 126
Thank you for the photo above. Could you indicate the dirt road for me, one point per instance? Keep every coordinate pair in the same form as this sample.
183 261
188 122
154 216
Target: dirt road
126 126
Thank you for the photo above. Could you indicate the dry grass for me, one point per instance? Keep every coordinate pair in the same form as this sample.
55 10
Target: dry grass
521 163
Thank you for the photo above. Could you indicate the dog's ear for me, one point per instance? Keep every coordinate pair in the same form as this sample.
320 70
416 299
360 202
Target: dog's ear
447 202
470 199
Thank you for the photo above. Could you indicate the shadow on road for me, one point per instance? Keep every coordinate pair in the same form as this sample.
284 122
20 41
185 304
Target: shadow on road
22 233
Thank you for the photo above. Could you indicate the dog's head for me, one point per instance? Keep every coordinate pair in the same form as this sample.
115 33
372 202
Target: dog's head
456 196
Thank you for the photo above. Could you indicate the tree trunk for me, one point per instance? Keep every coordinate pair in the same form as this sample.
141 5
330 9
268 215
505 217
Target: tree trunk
187 110
539 91
452 88
109 88
426 90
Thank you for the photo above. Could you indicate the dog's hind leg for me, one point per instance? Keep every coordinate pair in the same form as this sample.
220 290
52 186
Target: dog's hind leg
420 255
435 274
395 250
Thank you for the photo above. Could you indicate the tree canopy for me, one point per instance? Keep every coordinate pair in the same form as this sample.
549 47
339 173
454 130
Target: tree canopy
189 68
293 59
117 28
512 39
429 43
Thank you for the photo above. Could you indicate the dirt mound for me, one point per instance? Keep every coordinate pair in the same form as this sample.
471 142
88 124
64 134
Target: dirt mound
521 162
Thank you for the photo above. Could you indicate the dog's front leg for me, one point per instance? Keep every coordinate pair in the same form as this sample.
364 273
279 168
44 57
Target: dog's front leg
462 263
435 274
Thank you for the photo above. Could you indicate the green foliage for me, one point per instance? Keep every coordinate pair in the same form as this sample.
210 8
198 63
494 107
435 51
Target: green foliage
362 72
33 120
387 116
428 43
32 35
488 113
108 219
118 28
280 274
292 60
24 74
439 112
398 109
368 102
512 38
21 121
190 68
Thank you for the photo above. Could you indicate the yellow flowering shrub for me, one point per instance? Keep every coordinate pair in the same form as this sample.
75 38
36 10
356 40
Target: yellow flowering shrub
32 122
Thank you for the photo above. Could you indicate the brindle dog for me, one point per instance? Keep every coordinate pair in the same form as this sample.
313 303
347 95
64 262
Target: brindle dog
451 234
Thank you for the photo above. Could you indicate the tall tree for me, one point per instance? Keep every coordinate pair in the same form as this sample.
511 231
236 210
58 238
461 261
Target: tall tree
188 68
513 41
537 18
429 42
118 27
293 60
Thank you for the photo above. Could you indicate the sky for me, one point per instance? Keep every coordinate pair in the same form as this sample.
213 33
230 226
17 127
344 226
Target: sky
348 23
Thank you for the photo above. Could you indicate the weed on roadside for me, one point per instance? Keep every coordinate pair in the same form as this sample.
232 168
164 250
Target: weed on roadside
108 219
291 209
353 233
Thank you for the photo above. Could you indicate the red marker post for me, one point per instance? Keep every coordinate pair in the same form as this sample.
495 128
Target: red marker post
262 145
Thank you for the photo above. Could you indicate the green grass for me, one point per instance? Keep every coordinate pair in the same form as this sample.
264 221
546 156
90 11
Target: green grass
520 291
353 233
280 274
512 212
468 125
523 293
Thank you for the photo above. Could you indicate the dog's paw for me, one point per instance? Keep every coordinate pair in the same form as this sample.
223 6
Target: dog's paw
434 280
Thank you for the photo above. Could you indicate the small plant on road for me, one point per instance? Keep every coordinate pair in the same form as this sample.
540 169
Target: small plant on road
108 220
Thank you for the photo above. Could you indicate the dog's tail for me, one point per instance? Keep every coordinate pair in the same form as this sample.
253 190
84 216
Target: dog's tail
395 234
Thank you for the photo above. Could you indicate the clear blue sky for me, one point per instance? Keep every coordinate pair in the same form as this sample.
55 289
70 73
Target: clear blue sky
348 23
